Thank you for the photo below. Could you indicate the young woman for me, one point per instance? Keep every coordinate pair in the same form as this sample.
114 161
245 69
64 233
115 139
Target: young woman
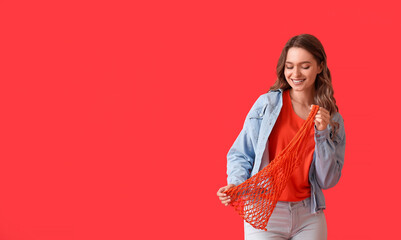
303 79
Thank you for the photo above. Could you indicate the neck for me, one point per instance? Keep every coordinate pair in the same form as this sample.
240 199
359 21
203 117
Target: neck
305 98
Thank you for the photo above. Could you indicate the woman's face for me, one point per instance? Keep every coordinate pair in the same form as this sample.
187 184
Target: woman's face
301 69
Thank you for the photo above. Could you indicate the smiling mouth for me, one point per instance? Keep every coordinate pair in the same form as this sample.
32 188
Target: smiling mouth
297 80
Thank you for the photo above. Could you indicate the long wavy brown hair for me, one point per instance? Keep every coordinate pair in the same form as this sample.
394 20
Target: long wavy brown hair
323 87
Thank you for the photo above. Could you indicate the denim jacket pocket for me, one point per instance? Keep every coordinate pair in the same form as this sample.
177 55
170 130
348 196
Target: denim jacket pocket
259 117
254 120
258 113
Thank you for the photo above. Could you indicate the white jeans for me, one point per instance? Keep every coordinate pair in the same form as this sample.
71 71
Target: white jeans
291 220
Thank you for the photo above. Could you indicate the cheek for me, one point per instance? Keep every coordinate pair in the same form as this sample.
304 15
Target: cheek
287 73
287 76
311 74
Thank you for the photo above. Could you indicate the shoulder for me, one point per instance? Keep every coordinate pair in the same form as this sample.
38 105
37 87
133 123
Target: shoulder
266 100
271 98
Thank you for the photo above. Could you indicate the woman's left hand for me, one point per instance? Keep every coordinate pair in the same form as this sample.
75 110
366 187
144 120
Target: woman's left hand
322 118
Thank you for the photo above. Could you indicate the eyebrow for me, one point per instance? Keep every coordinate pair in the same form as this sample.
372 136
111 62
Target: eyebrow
300 62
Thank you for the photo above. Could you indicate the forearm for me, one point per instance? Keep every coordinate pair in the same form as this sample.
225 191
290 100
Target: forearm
329 158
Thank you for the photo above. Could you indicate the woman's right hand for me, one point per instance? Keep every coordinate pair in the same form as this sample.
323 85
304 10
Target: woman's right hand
222 196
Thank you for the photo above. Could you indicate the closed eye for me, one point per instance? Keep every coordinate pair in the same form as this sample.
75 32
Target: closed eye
303 67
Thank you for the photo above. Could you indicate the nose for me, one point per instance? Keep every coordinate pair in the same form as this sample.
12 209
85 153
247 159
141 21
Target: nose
296 72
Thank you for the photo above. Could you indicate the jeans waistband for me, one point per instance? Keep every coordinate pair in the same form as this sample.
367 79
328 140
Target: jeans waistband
304 203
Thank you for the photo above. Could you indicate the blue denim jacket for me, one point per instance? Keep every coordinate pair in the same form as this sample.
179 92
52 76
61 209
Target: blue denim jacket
245 156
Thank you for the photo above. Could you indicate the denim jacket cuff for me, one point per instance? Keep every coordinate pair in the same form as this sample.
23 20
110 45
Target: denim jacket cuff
234 181
321 135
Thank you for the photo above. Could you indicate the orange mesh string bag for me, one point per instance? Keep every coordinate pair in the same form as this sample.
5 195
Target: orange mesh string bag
256 198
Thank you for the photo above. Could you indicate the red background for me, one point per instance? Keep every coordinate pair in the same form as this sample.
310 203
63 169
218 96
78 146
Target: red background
116 116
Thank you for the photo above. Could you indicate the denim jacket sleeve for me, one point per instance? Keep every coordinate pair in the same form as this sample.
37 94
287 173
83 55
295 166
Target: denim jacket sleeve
241 156
329 154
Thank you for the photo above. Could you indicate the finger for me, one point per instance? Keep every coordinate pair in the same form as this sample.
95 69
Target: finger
223 199
223 189
228 187
323 114
325 117
325 111
220 192
328 116
319 120
226 199
322 109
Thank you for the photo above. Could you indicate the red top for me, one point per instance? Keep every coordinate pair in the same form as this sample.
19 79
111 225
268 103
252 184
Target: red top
287 125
